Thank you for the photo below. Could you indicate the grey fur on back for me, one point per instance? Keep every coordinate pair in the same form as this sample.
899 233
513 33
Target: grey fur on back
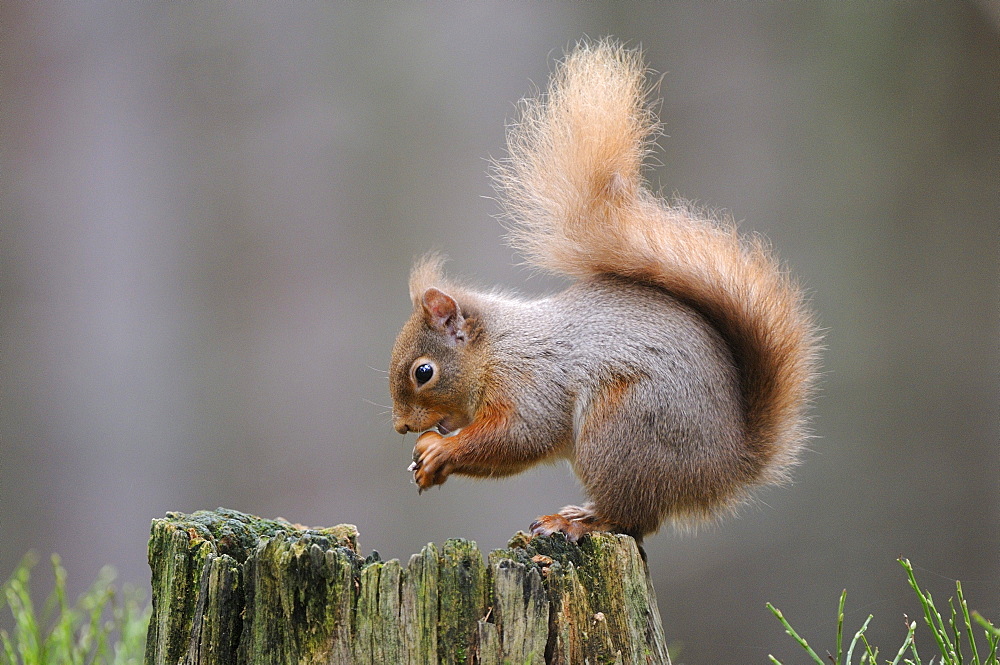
670 375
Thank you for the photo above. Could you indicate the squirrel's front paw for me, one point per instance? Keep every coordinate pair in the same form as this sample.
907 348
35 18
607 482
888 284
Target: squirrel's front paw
431 465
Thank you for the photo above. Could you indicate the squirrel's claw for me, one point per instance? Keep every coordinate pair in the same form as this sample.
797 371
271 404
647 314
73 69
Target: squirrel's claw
431 465
413 468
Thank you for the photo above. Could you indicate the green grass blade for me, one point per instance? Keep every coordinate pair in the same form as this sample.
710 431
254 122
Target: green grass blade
59 645
968 623
906 643
929 610
994 641
992 637
916 656
840 625
857 636
27 636
132 619
956 633
9 657
872 654
791 631
986 624
94 602
940 628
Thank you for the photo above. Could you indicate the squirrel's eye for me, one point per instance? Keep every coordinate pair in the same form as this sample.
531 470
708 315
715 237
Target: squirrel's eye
423 373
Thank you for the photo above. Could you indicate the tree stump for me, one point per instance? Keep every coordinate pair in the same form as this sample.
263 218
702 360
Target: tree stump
233 588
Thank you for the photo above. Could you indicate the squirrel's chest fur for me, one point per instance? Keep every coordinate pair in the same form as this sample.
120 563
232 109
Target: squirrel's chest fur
611 349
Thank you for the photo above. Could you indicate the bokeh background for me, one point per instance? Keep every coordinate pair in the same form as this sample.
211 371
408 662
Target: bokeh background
208 214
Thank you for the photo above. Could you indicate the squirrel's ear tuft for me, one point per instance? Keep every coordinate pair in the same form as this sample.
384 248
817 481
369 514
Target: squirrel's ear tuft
443 314
426 272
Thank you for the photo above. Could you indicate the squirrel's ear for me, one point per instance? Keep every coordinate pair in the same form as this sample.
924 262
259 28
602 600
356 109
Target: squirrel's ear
443 314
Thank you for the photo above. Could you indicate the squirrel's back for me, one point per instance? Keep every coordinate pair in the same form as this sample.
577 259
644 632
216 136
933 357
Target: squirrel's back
574 192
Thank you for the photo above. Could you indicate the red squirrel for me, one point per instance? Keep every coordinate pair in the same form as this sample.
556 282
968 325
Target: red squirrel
673 374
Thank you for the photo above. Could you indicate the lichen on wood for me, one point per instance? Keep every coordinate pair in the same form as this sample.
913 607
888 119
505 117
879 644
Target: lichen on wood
231 588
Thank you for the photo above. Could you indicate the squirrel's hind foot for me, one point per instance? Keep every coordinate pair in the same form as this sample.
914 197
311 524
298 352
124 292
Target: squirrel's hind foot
573 521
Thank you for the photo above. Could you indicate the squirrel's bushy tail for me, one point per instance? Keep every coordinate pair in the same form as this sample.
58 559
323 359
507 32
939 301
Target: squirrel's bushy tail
573 190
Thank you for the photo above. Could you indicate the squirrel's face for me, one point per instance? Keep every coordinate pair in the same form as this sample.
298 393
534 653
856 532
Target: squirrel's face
428 376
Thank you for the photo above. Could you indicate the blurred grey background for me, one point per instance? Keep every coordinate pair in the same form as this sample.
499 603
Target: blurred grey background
208 214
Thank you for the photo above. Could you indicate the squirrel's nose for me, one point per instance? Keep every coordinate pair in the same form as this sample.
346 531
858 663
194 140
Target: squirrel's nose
401 426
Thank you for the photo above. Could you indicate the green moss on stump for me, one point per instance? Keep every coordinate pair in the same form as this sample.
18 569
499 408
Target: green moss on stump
233 588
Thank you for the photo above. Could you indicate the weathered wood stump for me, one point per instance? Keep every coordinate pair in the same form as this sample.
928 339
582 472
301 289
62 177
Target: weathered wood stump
233 588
